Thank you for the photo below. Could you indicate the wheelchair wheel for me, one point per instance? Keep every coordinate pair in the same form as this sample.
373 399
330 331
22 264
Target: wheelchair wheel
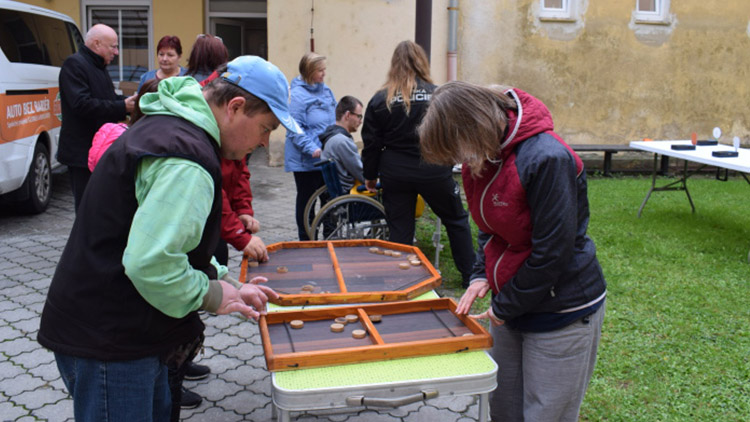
350 217
313 206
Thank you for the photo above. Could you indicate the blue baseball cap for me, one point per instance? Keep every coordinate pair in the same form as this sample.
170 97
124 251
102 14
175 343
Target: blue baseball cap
264 80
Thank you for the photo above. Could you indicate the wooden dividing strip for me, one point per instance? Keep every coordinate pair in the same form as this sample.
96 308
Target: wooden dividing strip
337 268
266 340
243 269
365 319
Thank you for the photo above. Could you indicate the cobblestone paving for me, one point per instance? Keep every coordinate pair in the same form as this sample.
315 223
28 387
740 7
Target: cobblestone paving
239 387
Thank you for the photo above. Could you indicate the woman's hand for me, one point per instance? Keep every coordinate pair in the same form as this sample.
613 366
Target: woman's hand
316 153
495 321
476 289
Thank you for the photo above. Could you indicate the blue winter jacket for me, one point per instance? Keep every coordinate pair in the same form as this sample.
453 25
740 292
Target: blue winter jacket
314 108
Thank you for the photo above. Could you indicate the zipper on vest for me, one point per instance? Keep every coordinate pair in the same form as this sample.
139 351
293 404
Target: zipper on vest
497 264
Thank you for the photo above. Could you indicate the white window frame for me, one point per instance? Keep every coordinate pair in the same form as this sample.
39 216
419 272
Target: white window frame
119 5
660 16
566 13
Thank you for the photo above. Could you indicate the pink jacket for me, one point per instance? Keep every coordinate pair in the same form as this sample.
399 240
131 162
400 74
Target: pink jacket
103 139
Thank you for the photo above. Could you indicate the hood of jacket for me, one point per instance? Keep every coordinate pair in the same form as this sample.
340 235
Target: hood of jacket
332 131
311 88
531 118
181 97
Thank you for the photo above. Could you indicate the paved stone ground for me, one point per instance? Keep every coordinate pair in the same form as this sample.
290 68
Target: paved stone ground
239 388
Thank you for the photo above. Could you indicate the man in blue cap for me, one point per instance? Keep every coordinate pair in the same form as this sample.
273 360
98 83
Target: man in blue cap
138 265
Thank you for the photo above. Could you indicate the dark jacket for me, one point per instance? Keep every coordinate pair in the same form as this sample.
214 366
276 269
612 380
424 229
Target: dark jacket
88 102
391 142
531 206
93 310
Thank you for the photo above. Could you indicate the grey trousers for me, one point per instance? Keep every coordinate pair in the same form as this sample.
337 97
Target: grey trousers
544 376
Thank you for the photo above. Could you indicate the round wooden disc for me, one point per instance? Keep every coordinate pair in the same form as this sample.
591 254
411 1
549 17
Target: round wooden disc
387 253
337 328
282 269
396 254
341 320
373 250
411 256
376 318
468 334
404 265
252 263
359 333
308 287
297 324
415 262
351 318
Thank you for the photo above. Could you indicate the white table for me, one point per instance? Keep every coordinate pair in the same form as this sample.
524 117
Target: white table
701 155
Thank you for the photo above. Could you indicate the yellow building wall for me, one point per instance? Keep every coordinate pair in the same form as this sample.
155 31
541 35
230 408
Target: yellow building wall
612 81
358 39
69 7
183 18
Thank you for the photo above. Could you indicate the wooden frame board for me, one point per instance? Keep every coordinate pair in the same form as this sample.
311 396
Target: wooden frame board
418 328
343 271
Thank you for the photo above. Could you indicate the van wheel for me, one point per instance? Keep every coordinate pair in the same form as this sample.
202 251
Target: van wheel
38 184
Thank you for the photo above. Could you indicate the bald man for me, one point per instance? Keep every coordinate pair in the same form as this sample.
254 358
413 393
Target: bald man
88 101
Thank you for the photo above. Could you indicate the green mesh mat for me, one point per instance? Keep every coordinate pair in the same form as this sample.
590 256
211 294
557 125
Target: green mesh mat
276 308
391 371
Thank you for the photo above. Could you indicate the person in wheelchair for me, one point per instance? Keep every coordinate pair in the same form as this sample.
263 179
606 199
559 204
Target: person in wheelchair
338 143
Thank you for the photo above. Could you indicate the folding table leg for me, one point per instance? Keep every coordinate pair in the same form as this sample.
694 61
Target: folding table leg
484 407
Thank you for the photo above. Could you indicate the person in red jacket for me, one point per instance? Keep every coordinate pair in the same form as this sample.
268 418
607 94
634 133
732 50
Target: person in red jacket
238 226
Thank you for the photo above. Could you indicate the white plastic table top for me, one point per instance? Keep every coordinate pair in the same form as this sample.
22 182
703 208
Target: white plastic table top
701 154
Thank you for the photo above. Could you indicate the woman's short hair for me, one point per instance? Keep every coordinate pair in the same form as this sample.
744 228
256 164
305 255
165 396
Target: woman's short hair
170 41
207 54
465 123
309 63
220 91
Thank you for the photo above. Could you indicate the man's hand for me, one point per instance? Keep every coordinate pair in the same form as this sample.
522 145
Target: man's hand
130 103
370 185
256 249
316 153
250 300
251 224
476 289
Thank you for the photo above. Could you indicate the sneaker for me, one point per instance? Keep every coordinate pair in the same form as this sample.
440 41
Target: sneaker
190 400
196 372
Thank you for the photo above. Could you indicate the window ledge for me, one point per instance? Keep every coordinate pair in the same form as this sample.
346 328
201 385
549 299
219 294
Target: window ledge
651 21
558 19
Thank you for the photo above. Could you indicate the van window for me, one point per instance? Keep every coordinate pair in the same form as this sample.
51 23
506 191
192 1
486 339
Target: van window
35 39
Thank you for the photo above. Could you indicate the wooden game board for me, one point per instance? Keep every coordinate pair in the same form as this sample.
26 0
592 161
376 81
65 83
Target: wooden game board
407 329
343 271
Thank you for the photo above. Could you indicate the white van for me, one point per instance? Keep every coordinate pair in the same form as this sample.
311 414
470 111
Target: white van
34 42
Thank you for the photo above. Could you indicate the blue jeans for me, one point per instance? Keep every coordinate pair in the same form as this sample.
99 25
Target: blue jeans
127 391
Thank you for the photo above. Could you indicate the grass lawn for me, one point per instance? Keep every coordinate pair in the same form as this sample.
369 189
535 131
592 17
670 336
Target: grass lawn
676 336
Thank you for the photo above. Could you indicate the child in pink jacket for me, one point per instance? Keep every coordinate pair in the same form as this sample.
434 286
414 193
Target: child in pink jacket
111 131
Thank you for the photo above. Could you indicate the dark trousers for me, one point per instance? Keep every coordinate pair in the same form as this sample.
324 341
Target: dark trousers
443 195
79 178
307 183
222 252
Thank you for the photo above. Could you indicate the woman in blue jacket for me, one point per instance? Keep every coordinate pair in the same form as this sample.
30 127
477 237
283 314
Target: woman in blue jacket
313 106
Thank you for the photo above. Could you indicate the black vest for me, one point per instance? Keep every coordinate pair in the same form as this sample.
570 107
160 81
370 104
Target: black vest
92 308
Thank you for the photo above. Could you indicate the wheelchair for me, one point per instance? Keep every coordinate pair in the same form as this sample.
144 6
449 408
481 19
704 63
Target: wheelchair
332 214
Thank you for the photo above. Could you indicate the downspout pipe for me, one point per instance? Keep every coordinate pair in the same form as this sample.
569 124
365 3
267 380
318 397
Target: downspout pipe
452 40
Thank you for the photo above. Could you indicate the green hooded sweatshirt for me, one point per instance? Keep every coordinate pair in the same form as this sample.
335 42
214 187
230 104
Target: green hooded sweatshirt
174 200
